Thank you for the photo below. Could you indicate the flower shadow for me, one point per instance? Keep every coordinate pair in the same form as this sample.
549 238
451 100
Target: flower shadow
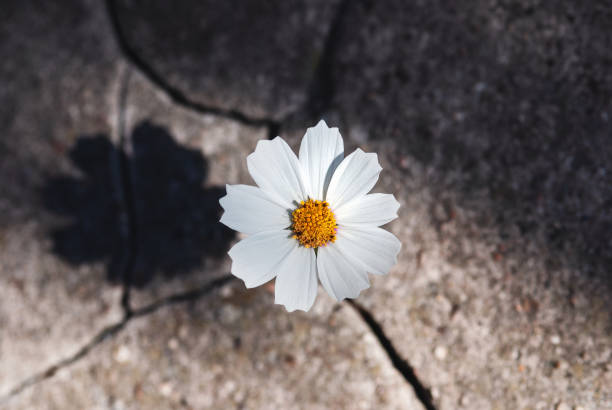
168 223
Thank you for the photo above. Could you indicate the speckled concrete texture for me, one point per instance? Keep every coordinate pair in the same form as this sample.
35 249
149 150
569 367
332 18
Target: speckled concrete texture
122 122
492 120
232 349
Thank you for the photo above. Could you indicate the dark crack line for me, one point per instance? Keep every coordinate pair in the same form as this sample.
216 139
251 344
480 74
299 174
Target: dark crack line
113 330
129 221
273 130
191 295
174 93
321 95
402 366
322 87
322 92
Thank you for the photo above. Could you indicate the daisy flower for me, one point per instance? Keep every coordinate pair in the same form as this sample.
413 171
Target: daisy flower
310 217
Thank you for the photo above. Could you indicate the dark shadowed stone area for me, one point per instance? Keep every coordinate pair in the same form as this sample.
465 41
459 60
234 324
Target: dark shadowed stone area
180 162
91 201
177 219
510 98
255 57
492 120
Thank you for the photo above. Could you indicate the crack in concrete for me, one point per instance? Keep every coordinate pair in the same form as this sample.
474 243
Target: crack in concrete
321 95
113 330
129 235
175 95
129 212
400 364
322 87
53 369
190 295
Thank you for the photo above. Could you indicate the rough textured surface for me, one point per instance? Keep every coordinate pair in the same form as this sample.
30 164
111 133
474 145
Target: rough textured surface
232 349
508 105
492 120
51 302
180 162
255 57
507 322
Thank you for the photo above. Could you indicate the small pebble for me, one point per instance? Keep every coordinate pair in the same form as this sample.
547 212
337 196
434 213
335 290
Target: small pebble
227 291
562 406
555 339
122 355
173 344
165 389
440 352
480 87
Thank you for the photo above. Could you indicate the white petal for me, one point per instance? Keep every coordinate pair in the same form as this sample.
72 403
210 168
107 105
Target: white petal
321 152
249 210
354 177
375 248
371 209
340 274
257 258
277 171
296 282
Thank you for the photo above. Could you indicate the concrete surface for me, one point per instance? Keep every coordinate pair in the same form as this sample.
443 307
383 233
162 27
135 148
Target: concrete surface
181 163
492 123
57 94
232 349
253 57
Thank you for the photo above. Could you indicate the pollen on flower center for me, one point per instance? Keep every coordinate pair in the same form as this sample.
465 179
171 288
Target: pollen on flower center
314 224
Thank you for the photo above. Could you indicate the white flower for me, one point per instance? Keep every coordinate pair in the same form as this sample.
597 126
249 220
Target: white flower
310 216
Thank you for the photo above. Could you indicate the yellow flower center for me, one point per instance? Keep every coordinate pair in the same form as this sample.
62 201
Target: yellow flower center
314 224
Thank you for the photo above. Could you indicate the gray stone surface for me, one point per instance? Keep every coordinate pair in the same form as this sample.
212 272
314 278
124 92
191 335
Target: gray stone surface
488 317
58 73
253 57
232 349
492 121
180 163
